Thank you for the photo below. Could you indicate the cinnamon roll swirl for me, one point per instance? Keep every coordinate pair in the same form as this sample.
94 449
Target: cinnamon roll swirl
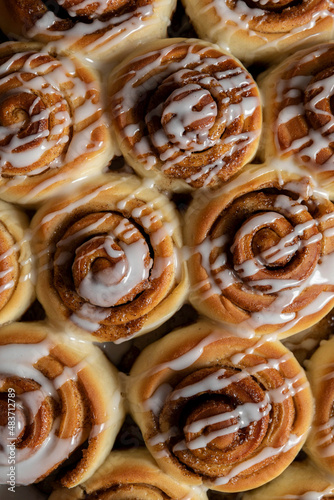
227 412
185 113
299 118
52 130
262 31
108 259
301 480
17 270
131 475
57 396
261 253
98 29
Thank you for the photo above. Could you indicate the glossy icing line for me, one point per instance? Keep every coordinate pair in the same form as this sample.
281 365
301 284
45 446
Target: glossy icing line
247 18
105 34
317 138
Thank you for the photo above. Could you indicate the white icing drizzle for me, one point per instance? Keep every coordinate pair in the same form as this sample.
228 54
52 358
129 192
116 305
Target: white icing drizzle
126 274
178 140
18 360
268 452
231 20
109 34
307 148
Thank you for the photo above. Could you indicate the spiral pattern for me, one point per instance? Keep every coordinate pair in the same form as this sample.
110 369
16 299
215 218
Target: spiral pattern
261 30
100 29
52 402
186 113
302 119
108 259
262 256
228 412
51 129
300 480
132 475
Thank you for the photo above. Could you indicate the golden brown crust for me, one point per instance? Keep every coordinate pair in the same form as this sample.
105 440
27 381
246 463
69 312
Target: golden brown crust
61 402
108 259
182 120
299 479
131 474
256 250
216 409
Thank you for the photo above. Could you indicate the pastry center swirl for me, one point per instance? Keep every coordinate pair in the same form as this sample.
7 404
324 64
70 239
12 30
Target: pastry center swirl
188 115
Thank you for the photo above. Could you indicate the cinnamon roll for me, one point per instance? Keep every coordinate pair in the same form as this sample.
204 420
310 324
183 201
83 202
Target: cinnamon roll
299 121
321 376
227 412
98 29
260 255
131 474
185 113
262 31
301 480
58 397
108 263
17 270
52 130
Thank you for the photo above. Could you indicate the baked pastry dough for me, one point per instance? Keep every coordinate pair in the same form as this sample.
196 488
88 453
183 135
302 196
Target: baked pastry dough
131 475
52 126
17 269
262 31
261 252
98 29
108 259
185 113
62 395
321 376
227 412
298 111
300 480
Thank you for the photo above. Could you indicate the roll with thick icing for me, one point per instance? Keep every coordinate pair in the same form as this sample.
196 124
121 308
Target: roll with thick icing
261 252
215 409
298 113
60 399
101 30
109 261
262 31
53 131
185 113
